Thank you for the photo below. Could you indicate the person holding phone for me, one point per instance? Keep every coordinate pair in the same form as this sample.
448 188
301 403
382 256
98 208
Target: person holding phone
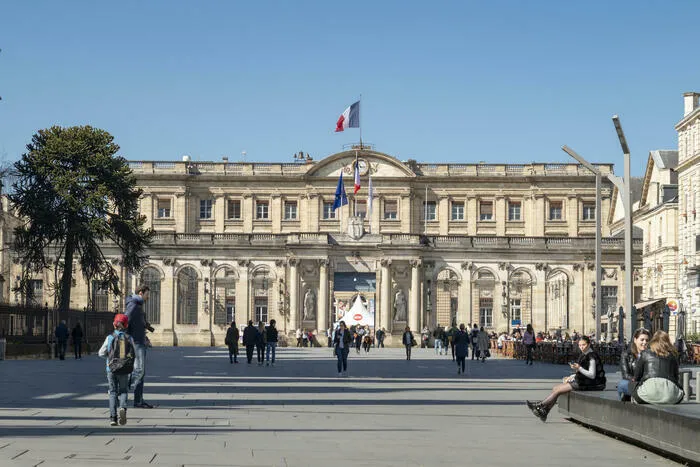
589 376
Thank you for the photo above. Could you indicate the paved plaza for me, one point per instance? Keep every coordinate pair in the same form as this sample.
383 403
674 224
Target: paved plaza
387 412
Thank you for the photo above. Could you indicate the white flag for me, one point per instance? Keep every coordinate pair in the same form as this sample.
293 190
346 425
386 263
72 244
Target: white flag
370 195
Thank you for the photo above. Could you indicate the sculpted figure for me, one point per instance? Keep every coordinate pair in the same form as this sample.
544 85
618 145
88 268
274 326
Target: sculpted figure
309 305
399 306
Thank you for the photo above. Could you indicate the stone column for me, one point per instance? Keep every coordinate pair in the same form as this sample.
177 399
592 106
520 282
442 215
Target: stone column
248 212
471 215
243 311
275 212
180 211
443 214
293 294
539 215
405 212
147 209
500 214
385 299
219 213
322 308
414 305
572 215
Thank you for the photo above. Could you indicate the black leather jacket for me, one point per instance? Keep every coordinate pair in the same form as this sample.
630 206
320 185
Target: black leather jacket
651 365
627 364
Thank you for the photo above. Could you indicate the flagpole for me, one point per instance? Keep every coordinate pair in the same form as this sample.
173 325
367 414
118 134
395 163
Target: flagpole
359 115
425 212
355 170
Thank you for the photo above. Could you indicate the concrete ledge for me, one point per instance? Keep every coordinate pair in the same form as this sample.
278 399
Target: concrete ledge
669 429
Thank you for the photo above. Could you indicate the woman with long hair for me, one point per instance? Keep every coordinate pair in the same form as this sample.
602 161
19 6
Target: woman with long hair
408 341
341 346
529 343
628 361
260 343
656 373
589 376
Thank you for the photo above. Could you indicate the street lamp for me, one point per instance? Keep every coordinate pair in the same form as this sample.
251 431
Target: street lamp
598 234
625 189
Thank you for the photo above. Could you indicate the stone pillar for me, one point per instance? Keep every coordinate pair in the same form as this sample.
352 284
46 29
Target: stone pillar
500 214
572 215
414 305
322 308
219 213
443 215
147 209
248 213
275 213
405 212
293 294
539 216
180 210
471 215
385 298
168 302
243 311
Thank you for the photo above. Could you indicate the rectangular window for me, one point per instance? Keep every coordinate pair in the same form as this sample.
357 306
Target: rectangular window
588 212
457 210
430 211
555 209
234 209
514 211
608 295
261 309
391 209
361 209
164 208
290 210
328 211
261 210
205 208
35 293
485 312
486 210
515 310
100 297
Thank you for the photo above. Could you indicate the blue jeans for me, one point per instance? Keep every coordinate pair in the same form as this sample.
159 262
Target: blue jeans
342 355
271 346
139 373
438 345
623 388
118 386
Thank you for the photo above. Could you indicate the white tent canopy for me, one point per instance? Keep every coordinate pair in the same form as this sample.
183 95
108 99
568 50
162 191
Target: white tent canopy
357 315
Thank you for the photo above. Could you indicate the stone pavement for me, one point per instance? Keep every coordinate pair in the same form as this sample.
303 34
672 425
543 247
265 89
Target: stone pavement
387 412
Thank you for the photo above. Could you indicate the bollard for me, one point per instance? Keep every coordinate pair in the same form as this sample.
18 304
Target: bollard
697 387
686 386
3 347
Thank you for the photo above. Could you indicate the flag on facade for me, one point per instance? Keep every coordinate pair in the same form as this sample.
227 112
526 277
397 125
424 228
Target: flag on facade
357 177
370 195
341 199
350 118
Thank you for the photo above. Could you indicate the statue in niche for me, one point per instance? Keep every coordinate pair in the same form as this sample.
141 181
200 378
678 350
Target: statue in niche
309 305
399 306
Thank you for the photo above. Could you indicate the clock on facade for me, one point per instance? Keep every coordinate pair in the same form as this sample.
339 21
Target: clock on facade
363 165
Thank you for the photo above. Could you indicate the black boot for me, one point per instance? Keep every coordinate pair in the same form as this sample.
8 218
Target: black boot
541 411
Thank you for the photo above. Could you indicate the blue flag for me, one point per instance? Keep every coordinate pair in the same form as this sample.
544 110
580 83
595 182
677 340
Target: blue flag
341 199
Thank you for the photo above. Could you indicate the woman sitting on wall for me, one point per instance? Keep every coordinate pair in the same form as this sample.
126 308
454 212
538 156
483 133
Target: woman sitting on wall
657 373
589 376
628 362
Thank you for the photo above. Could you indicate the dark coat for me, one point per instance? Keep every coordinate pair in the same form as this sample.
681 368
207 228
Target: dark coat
250 335
627 364
61 332
651 365
347 339
461 341
232 336
77 334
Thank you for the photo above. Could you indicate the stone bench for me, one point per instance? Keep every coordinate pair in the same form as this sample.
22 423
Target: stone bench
670 429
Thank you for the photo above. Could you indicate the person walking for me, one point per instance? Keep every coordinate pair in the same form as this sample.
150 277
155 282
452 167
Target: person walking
408 341
461 345
529 342
451 340
341 346
61 334
483 344
359 332
250 336
77 335
437 343
137 331
231 341
118 350
475 343
271 336
260 342
379 334
298 336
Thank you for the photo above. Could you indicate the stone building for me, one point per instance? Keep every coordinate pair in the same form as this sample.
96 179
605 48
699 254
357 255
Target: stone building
688 223
501 245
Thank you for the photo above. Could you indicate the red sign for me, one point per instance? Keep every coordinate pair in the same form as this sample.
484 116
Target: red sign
672 305
357 317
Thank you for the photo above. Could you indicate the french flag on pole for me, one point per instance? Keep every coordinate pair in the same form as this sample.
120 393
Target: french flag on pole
357 178
350 118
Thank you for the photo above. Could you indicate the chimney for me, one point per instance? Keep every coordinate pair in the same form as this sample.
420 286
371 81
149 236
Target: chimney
690 102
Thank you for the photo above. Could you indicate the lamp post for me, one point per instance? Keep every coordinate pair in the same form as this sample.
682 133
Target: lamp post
623 186
598 234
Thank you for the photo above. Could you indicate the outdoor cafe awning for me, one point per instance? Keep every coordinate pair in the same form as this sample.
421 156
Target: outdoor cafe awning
647 303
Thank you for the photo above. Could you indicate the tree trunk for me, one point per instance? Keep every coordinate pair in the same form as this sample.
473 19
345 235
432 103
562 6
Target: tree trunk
67 276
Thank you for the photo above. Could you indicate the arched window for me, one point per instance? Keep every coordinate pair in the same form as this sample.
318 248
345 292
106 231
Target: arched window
224 296
483 287
150 277
557 313
446 296
187 296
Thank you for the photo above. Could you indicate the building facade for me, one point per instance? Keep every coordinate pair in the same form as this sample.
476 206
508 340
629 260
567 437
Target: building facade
500 245
688 223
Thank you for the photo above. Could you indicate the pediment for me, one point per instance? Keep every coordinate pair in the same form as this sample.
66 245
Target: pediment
379 165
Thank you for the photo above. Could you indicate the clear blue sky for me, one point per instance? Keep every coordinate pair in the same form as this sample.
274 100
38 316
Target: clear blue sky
463 81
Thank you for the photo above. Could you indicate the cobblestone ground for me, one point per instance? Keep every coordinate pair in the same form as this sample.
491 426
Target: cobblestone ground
387 412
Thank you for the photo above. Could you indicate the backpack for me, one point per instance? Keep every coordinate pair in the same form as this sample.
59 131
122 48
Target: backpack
121 355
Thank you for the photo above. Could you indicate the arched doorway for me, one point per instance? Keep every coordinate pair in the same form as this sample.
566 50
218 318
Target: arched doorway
187 296
224 296
557 312
520 298
483 286
150 277
446 298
